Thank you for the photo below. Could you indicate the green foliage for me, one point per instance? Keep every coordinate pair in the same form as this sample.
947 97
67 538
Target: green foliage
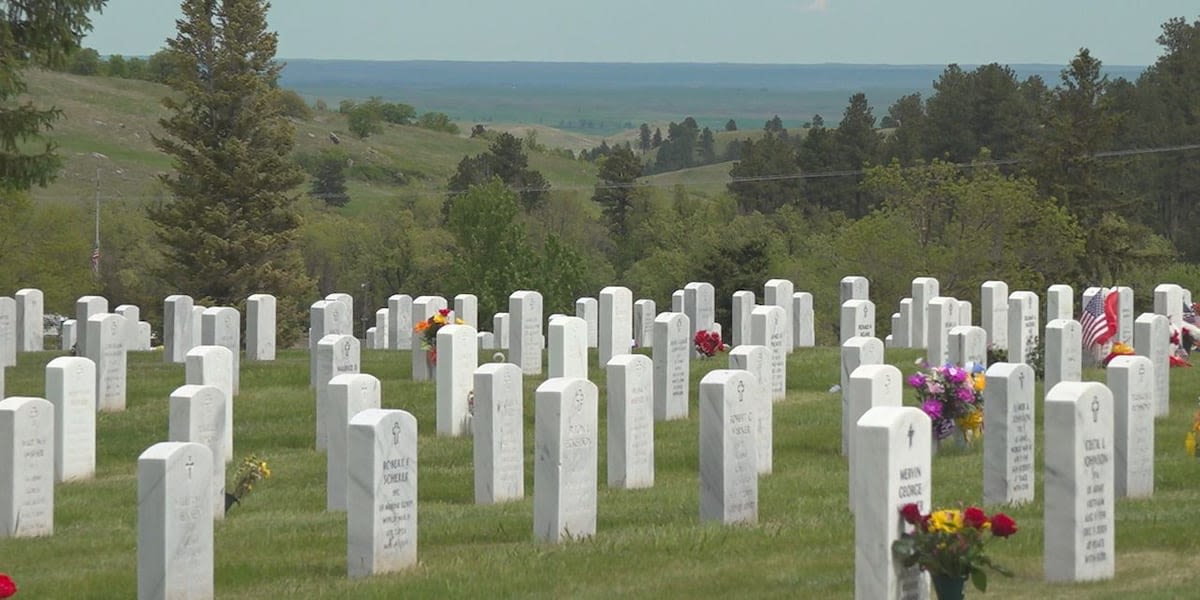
329 178
493 257
42 249
163 66
437 122
617 188
47 33
230 229
507 160
86 61
765 179
116 66
292 105
363 120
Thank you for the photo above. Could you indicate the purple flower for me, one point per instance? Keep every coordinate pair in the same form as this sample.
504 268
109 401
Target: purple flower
966 395
955 374
934 387
916 380
933 408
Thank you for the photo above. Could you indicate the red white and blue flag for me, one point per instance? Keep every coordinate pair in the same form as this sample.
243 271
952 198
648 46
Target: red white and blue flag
1099 319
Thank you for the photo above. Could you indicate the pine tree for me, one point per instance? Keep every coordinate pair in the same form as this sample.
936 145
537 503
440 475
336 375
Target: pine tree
47 32
231 227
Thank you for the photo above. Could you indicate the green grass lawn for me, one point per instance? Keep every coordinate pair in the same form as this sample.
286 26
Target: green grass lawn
280 543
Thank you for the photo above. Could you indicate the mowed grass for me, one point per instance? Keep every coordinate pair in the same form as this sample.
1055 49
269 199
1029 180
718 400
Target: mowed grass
649 543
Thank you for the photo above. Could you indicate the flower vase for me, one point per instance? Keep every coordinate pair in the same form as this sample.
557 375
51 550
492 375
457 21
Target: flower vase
230 500
957 440
948 587
431 360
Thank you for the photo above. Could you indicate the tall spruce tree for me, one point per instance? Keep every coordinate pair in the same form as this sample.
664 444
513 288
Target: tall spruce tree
230 229
47 32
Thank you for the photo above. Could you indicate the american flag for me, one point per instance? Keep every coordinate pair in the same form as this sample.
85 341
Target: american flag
1093 321
96 260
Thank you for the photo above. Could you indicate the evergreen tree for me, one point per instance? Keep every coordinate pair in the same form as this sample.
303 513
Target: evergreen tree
329 178
708 151
731 125
230 228
657 140
616 190
47 32
644 138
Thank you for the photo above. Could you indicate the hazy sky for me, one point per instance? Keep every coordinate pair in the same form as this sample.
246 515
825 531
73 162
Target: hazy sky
1118 32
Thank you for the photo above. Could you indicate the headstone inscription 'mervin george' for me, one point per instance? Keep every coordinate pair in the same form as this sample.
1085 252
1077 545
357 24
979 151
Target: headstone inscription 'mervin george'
175 522
565 459
892 454
26 467
728 449
381 497
1008 446
1080 515
71 388
498 432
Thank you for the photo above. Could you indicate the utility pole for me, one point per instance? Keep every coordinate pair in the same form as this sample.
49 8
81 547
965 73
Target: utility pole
96 247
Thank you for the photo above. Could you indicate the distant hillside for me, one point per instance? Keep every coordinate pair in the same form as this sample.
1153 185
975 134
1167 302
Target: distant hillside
108 126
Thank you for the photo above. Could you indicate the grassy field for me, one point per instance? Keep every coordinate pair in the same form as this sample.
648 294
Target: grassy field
649 543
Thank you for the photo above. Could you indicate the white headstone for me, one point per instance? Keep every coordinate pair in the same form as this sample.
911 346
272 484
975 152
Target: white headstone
1080 510
381 497
993 313
588 309
501 328
487 341
498 428
68 335
892 449
741 306
106 348
757 360
568 343
8 332
349 394
1131 379
1064 343
677 301
924 289
222 326
400 325
197 414
321 322
902 331
1168 302
672 366
780 292
616 323
371 342
466 307
175 522
968 345
853 287
802 320
1008 447
132 315
26 467
177 327
197 318
345 318
941 315
699 304
71 388
30 312
260 327
858 319
336 355
728 448
768 325
85 307
857 352
213 365
630 385
565 460
381 329
1125 314
964 313
1151 338
869 386
423 308
1060 302
643 323
525 331
1023 329
458 357
143 336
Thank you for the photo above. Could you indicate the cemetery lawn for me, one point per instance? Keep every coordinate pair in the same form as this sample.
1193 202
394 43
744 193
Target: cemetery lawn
280 543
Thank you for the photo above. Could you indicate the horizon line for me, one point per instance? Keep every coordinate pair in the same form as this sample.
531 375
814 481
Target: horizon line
713 63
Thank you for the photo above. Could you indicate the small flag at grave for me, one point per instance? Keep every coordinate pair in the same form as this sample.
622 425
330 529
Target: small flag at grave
96 260
1097 327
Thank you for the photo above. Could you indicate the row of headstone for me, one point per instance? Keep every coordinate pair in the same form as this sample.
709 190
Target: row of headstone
185 326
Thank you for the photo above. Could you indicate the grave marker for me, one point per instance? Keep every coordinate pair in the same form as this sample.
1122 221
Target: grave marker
85 308
757 360
174 522
498 429
260 327
1064 347
106 348
616 323
400 325
197 414
993 313
858 352
381 497
30 312
1151 339
26 467
71 388
742 305
458 357
643 323
568 341
588 309
337 354
968 345
672 356
803 324
1131 380
630 385
565 460
1008 447
525 331
858 319
1060 303
466 307
924 289
767 327
349 395
1022 325
211 365
221 326
423 308
779 292
728 449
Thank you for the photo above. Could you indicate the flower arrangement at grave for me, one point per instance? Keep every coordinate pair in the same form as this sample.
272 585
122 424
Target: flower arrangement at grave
8 588
429 329
708 343
1117 349
950 544
952 397
1189 441
249 472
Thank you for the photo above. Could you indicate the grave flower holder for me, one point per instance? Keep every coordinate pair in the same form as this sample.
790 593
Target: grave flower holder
948 587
